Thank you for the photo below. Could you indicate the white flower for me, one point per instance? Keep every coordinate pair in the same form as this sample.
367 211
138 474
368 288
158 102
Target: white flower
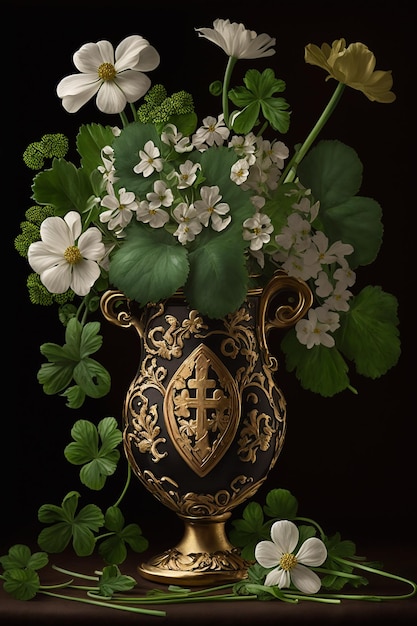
210 207
312 332
149 160
65 258
212 132
237 41
188 174
171 136
160 196
189 223
155 217
115 76
289 567
120 209
257 230
239 171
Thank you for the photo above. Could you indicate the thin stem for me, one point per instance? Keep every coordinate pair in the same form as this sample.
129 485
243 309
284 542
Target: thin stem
62 570
124 119
125 488
226 82
290 171
134 112
119 607
372 570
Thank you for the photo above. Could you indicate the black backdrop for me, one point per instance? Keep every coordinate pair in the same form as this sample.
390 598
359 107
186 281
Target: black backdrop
350 460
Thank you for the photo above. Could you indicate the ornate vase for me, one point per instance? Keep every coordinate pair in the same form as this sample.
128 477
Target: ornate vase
204 421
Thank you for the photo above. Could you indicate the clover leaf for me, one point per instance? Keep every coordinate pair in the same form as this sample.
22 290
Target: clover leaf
21 584
67 525
247 532
258 95
111 581
98 461
72 362
338 549
281 504
113 549
20 557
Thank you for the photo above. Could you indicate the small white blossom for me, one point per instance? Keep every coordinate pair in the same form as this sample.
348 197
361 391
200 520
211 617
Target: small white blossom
155 217
257 230
289 567
172 137
338 300
120 209
213 132
311 332
187 174
160 196
210 208
189 224
240 171
150 160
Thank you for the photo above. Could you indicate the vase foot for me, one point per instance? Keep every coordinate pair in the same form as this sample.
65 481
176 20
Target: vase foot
203 557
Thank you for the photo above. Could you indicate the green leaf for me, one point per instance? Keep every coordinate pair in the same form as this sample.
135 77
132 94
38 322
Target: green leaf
63 186
91 139
259 95
280 504
319 369
98 462
67 524
162 261
21 584
369 333
71 362
332 171
126 154
223 291
249 530
113 549
20 557
111 581
358 222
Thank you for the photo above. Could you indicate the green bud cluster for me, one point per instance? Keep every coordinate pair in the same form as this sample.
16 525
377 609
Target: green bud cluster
50 146
30 229
159 107
38 293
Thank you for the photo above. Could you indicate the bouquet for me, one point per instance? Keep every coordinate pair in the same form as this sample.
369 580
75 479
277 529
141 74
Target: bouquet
164 202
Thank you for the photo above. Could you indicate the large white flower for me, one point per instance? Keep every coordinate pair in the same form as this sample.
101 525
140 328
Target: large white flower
65 258
237 41
115 76
290 567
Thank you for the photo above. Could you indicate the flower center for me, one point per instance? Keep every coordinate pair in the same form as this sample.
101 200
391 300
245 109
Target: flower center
72 255
288 561
106 71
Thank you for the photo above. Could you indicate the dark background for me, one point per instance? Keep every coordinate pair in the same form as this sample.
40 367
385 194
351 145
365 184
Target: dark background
350 460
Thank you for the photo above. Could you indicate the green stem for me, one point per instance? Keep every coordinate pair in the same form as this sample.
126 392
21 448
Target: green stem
226 82
379 572
124 119
134 112
119 607
290 171
62 570
125 488
313 523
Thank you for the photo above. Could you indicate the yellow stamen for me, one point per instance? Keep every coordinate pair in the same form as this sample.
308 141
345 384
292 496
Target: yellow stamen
288 561
106 71
72 255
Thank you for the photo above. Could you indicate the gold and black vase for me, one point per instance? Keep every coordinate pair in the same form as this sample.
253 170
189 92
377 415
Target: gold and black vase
204 421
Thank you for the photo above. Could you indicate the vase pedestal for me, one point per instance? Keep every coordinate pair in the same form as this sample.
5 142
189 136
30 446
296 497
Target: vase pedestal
204 556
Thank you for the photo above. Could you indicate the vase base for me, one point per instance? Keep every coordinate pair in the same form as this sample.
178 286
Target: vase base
203 557
199 569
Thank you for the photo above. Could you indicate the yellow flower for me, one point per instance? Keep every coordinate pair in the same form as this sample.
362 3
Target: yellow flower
354 66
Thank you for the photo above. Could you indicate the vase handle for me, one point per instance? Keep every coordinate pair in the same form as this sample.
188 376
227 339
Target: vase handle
115 307
299 299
